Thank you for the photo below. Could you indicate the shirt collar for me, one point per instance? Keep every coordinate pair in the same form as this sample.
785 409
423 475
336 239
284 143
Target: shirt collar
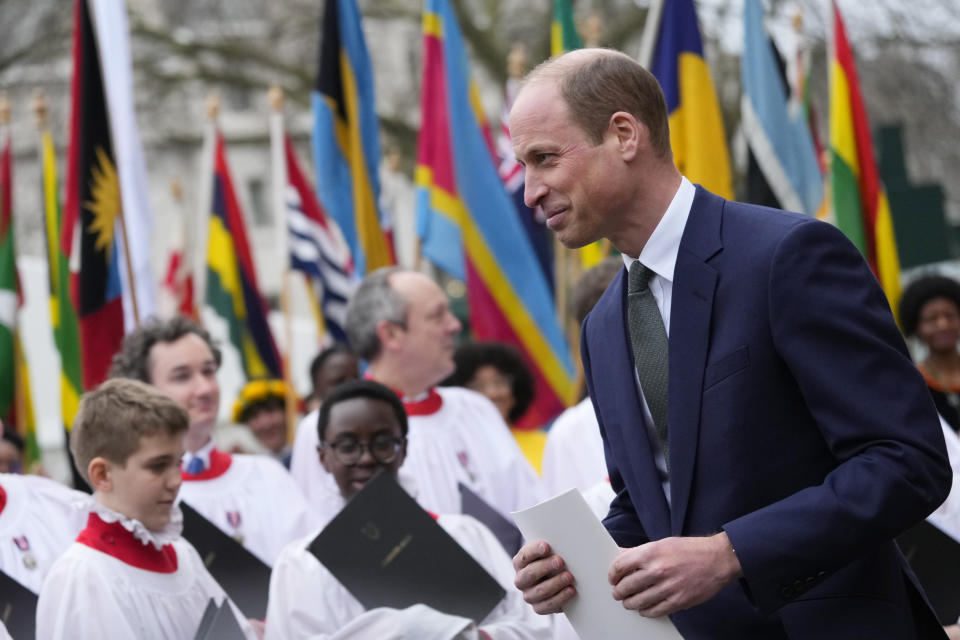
203 453
660 253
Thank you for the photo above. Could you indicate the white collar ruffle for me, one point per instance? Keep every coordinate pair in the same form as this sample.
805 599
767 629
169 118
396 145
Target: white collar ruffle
159 539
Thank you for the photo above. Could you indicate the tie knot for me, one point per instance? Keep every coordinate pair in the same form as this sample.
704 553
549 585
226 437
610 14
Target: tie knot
639 277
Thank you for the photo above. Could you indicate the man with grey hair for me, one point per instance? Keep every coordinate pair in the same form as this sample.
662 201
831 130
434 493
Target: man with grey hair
400 322
765 431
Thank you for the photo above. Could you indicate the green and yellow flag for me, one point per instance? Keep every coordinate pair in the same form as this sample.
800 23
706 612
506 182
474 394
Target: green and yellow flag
859 201
63 314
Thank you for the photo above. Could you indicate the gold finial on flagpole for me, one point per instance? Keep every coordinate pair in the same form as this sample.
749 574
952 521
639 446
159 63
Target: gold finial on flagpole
176 189
797 21
517 61
213 105
275 97
4 109
40 108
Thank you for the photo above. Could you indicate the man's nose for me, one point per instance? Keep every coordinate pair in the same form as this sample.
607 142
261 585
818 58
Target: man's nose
533 189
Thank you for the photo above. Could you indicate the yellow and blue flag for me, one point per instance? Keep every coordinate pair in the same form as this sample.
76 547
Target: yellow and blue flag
696 125
346 138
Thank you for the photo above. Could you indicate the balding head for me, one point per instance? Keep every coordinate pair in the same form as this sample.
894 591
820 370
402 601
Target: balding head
596 83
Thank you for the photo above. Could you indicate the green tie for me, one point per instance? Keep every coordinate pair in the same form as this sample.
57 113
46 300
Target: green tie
649 341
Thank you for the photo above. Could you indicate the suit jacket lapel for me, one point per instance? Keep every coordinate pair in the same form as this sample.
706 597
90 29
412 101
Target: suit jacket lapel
625 425
694 284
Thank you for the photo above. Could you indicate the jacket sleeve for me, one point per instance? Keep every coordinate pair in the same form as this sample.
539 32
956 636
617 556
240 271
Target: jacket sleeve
832 326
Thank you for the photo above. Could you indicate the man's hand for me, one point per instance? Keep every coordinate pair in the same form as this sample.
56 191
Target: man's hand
669 575
543 578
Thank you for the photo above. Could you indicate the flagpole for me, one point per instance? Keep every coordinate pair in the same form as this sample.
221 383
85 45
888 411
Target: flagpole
278 173
204 203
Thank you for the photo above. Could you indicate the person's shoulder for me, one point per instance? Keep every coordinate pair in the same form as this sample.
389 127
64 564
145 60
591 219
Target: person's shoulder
461 397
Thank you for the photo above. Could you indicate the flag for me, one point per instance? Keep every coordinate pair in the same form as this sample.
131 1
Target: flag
696 125
859 201
63 313
511 172
776 131
563 30
461 199
317 249
16 404
346 138
177 285
103 179
232 289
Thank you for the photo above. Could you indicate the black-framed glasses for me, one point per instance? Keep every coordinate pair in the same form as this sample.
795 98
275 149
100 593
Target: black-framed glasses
384 449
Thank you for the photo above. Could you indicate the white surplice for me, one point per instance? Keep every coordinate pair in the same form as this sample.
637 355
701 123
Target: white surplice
464 441
39 520
573 454
92 595
307 601
255 500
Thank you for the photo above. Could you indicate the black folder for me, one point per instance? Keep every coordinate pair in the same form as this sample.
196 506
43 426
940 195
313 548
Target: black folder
218 623
389 552
244 577
506 531
18 607
935 558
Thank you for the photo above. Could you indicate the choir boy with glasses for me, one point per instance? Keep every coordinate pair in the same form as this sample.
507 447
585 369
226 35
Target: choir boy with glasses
362 429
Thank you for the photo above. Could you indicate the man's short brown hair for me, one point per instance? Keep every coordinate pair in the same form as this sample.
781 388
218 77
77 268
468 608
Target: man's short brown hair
116 415
595 89
133 359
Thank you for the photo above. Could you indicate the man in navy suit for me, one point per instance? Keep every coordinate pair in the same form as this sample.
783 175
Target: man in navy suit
800 439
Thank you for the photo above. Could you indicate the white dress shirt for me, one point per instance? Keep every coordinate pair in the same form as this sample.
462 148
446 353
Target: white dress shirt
660 256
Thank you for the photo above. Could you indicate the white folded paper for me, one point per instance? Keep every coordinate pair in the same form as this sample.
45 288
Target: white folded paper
575 534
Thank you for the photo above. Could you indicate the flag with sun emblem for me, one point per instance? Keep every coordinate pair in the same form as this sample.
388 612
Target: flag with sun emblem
93 206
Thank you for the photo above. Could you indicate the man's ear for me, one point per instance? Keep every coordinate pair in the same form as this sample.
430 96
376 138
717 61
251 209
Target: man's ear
388 332
629 134
100 472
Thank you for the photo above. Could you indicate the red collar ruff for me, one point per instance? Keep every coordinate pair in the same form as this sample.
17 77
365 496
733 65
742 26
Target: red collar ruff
219 463
114 540
3 499
423 407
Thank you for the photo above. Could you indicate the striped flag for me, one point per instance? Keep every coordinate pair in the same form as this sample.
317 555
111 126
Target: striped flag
859 201
106 188
63 313
16 403
461 198
346 138
696 126
232 290
317 249
778 135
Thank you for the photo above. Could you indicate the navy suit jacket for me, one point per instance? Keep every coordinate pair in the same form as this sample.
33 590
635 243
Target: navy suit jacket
797 423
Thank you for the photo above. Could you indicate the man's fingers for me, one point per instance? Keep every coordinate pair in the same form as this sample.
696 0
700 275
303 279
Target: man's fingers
627 563
537 571
529 552
555 604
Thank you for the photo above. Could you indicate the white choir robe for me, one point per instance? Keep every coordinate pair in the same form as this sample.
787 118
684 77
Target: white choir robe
573 454
466 441
4 634
40 520
307 601
90 595
255 500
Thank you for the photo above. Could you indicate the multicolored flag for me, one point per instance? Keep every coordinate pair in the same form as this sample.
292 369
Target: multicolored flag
346 138
106 188
859 201
232 289
777 135
461 200
696 125
63 313
16 403
563 30
317 249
